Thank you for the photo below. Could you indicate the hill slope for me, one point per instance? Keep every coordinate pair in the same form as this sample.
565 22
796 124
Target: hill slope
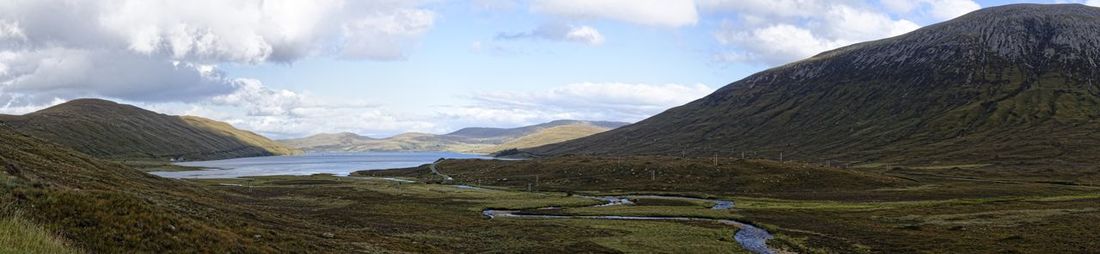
1010 83
547 136
476 140
106 207
109 130
496 135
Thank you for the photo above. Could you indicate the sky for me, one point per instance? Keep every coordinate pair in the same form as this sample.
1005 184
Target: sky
292 68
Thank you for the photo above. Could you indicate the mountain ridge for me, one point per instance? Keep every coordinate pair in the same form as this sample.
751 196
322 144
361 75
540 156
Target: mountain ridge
111 130
468 140
986 86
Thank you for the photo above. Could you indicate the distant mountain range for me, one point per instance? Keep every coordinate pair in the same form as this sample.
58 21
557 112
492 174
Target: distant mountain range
467 140
1009 84
110 130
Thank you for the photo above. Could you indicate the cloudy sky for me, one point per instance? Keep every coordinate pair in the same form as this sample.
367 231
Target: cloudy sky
380 67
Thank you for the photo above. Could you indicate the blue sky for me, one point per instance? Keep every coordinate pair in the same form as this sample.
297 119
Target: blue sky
381 67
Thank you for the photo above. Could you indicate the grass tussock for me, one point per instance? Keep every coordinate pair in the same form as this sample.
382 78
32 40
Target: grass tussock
20 235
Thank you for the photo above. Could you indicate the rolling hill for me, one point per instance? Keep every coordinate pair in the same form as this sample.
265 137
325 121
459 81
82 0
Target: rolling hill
547 136
1015 84
115 131
467 140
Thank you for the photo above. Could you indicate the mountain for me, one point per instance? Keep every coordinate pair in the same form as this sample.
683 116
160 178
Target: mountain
470 140
500 134
547 136
350 142
1009 84
116 131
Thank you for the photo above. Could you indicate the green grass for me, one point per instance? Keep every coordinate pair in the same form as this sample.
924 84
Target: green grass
952 166
963 209
657 211
105 129
665 237
19 235
446 218
653 174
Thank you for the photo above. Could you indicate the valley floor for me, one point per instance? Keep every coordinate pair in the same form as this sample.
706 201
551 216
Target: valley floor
813 209
808 208
376 213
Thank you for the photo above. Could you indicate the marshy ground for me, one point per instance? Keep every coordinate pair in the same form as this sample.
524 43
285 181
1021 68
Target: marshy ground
447 218
809 208
893 209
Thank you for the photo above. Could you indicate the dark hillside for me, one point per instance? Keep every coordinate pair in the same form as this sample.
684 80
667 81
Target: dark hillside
116 131
1010 84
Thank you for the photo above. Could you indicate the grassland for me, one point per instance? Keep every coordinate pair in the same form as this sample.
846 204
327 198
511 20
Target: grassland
446 218
246 137
882 209
547 136
20 235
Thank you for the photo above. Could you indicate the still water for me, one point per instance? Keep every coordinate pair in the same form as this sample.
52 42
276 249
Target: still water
340 164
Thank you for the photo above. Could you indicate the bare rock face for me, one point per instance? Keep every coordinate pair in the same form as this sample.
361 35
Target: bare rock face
1012 83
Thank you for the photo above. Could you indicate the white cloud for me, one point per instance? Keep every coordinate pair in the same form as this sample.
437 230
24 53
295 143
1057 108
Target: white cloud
286 114
11 31
1093 3
557 32
776 44
47 73
585 34
936 9
770 8
592 101
774 32
279 113
157 50
13 104
495 5
384 37
663 13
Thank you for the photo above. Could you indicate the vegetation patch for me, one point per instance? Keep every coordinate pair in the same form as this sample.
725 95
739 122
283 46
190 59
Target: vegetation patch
20 235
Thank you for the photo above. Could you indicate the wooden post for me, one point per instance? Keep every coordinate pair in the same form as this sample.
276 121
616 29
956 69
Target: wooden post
653 175
781 157
715 159
528 187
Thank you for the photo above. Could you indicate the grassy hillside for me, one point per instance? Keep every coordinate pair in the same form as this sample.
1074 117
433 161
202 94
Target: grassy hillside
547 136
115 131
498 135
19 235
350 142
105 207
247 137
326 141
661 174
1005 85
467 140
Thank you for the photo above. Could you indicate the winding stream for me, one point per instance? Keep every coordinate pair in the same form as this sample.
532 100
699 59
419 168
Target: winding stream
751 238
